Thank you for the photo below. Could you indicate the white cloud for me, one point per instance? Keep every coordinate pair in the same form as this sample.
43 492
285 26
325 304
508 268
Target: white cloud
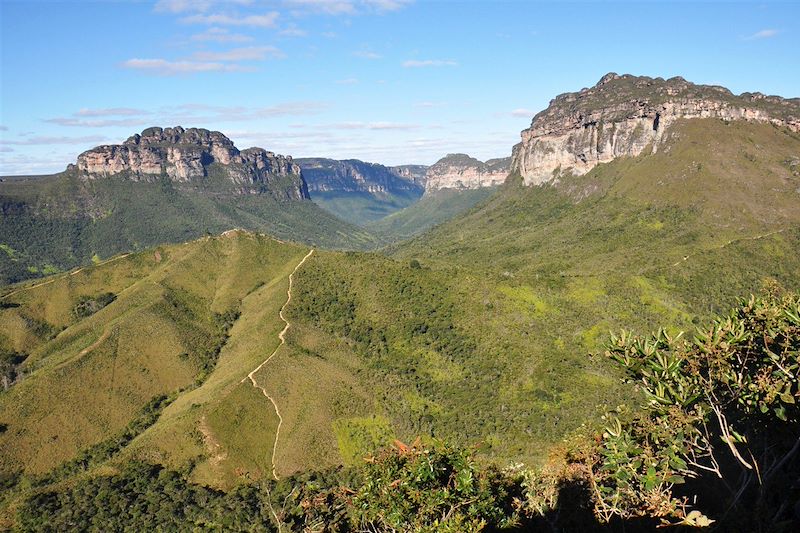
193 114
328 7
367 54
344 7
387 5
292 31
427 105
249 53
183 6
44 140
103 123
3 128
221 35
111 111
415 63
266 20
763 34
164 67
373 126
522 113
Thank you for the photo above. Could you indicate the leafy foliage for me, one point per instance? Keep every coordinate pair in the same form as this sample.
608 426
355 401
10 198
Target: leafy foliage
720 415
436 488
58 222
89 305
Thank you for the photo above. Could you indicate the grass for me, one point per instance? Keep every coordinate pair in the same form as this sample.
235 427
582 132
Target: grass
150 340
364 208
59 222
432 209
478 332
358 437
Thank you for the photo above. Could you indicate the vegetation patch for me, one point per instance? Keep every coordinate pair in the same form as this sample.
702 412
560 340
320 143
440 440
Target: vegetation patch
358 437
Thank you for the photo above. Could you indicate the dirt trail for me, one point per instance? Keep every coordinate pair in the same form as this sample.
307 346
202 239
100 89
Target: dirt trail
282 337
741 239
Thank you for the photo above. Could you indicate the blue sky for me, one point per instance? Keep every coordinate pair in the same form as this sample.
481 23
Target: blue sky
389 81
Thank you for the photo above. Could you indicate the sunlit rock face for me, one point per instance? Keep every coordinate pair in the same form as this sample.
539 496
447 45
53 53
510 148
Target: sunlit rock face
628 115
186 156
460 171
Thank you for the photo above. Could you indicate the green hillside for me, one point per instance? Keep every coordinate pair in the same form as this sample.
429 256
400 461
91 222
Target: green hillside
475 332
433 208
57 222
713 187
364 208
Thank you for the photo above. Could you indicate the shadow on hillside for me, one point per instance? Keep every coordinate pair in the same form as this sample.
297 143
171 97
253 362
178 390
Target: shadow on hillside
574 514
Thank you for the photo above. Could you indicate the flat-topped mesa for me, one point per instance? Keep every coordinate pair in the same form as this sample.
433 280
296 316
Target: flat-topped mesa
627 115
460 171
353 175
186 155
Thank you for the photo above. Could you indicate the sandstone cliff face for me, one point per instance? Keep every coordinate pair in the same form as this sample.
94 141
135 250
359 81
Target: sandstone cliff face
187 156
413 173
626 115
460 171
352 175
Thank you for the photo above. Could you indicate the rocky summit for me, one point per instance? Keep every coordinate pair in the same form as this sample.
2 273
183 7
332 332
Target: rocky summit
190 155
625 115
460 171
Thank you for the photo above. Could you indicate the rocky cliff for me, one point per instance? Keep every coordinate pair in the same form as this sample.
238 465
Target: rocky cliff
352 175
460 171
191 156
628 115
413 173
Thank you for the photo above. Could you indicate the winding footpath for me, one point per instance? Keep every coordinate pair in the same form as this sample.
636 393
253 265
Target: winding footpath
282 337
732 241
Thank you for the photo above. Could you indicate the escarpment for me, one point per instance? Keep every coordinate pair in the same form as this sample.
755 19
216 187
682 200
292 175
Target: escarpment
460 171
626 115
354 176
193 156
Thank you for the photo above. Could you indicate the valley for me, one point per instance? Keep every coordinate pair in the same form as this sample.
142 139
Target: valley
250 327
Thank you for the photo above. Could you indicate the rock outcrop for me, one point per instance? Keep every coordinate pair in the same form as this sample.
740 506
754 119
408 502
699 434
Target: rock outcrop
192 156
413 173
628 115
352 175
460 171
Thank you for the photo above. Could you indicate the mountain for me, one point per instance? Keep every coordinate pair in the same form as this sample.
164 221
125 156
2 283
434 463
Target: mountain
415 173
630 115
165 185
460 171
479 330
193 156
360 192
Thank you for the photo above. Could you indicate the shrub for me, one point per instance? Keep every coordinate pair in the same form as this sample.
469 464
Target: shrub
719 421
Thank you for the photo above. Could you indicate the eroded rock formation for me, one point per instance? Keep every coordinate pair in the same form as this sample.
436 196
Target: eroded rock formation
193 155
460 171
352 175
628 115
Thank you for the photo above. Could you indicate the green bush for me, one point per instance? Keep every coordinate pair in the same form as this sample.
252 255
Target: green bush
432 488
720 416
